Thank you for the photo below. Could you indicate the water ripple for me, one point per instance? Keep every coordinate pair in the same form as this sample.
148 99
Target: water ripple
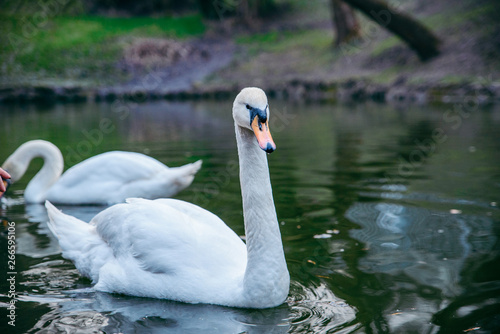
429 246
317 310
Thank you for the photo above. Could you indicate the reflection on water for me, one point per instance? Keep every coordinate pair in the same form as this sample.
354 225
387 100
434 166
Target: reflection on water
317 309
96 312
386 227
423 252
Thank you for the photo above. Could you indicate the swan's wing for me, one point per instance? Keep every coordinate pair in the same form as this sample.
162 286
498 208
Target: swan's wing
113 166
193 211
172 237
99 179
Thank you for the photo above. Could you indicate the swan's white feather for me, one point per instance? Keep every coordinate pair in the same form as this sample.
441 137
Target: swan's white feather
106 178
163 248
79 241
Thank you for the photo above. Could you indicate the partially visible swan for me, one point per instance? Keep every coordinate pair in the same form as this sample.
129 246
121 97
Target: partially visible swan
106 178
176 250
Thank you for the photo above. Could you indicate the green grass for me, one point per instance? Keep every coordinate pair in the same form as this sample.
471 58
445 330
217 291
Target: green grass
459 16
80 47
385 45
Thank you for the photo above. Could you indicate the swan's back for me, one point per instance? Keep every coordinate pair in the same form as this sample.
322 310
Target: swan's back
112 177
170 236
113 166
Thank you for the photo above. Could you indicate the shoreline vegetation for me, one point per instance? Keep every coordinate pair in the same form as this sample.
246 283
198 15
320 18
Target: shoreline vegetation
295 90
59 53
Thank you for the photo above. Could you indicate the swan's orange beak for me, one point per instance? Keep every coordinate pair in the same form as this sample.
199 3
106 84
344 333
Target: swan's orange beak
4 186
263 135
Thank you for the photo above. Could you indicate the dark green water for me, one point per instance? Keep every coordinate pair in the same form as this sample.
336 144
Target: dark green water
389 216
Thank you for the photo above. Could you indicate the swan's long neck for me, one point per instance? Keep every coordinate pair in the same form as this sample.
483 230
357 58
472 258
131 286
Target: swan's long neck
50 172
266 276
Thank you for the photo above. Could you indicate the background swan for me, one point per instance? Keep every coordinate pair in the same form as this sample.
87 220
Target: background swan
172 249
106 178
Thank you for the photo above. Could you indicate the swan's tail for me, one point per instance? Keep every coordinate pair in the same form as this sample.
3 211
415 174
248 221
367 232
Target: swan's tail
193 168
186 173
78 240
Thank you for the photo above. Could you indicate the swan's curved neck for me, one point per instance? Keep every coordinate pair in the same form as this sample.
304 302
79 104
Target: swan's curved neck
266 275
50 172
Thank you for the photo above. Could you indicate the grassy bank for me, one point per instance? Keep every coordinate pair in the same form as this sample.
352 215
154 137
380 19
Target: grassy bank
88 51
83 49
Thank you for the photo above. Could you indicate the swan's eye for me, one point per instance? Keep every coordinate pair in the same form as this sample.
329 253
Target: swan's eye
248 107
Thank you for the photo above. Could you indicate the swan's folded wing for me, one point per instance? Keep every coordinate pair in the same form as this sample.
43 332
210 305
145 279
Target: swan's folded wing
174 238
109 166
97 179
194 211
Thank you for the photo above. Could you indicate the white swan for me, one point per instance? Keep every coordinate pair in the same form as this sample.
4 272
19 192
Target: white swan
175 250
106 178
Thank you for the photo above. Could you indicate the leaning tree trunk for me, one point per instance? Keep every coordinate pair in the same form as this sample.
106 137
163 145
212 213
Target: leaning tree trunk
345 22
417 36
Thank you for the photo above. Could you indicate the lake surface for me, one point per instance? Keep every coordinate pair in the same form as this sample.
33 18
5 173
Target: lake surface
389 216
